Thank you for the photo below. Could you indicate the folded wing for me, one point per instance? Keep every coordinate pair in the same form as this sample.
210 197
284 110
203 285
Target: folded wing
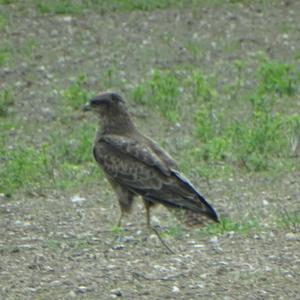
147 170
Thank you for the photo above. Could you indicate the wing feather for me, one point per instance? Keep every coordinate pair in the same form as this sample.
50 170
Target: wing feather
147 170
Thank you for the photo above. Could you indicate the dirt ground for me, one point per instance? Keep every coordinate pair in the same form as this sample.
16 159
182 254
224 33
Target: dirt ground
60 244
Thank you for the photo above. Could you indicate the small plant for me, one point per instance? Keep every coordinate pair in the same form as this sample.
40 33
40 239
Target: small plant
53 245
108 78
7 1
24 167
228 225
288 220
74 147
161 91
75 95
202 88
6 100
165 93
174 231
276 77
117 230
195 50
5 54
3 22
58 7
28 47
139 94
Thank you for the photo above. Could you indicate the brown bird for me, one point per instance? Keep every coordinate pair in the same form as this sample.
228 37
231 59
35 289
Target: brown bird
135 165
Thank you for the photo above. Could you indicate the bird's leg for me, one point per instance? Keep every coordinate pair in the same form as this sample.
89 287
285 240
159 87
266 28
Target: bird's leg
120 219
147 205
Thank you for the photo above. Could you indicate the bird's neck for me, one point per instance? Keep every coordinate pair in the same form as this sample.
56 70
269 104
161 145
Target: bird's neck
121 125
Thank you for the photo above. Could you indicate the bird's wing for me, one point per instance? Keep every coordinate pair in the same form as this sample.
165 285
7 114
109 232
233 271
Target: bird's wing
130 162
146 172
140 151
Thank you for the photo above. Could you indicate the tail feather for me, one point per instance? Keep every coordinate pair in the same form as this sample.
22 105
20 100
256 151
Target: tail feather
207 209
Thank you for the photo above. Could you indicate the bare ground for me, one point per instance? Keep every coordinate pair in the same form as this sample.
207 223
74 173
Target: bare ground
52 248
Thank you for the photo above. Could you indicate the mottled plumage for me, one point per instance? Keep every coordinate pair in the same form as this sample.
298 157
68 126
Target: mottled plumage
136 165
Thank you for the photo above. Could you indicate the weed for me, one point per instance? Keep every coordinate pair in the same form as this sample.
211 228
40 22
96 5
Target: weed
276 77
108 78
174 231
28 47
161 90
75 95
58 7
53 245
289 220
228 225
3 22
117 230
4 55
138 94
6 100
202 87
78 7
165 93
195 50
23 167
263 135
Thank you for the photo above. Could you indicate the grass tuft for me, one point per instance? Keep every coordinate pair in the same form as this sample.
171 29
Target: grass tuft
228 225
160 91
76 95
6 100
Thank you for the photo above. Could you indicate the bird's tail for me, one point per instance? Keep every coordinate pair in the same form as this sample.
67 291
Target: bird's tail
190 218
205 214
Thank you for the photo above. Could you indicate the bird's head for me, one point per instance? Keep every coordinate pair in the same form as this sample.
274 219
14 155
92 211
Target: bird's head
113 113
106 104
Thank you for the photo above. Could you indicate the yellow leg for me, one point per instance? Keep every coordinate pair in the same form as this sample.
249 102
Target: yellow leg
147 207
120 220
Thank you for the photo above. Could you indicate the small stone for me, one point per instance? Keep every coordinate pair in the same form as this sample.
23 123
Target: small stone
117 292
231 234
214 240
82 289
290 236
265 202
77 199
67 19
175 289
198 246
118 247
72 294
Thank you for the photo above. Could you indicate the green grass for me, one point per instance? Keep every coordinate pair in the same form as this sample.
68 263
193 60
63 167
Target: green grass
28 48
228 225
262 139
52 245
276 77
117 230
6 100
289 220
76 95
161 91
3 22
5 55
61 162
265 135
78 7
173 231
22 167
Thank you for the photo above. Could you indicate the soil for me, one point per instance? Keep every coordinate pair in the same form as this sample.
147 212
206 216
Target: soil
62 245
